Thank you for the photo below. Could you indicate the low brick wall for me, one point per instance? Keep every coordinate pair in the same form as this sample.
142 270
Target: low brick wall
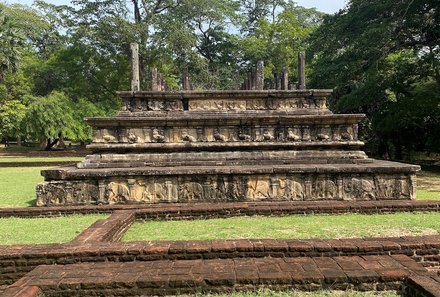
99 243
185 211
16 261
422 286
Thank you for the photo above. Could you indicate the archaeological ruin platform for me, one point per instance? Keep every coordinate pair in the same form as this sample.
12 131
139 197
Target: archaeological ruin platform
226 146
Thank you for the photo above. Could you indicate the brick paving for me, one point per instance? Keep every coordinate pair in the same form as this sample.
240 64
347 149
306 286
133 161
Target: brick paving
220 275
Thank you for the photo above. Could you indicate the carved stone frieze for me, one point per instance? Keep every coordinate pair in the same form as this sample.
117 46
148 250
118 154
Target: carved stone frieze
276 133
136 104
201 188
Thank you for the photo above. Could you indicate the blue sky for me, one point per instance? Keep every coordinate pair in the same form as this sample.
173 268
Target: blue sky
329 6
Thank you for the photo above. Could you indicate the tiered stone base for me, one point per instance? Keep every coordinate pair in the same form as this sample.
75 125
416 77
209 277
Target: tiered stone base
364 180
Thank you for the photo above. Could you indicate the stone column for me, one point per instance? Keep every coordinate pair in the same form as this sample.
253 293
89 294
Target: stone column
154 80
185 79
101 188
285 79
340 185
259 85
132 189
171 190
301 70
135 82
308 188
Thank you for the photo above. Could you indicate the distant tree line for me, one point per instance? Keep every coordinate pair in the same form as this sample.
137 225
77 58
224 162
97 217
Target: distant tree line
59 64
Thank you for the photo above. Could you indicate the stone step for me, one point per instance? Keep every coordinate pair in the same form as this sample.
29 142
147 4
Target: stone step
165 277
214 158
346 147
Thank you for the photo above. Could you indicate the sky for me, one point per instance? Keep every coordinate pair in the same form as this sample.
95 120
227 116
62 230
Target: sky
328 6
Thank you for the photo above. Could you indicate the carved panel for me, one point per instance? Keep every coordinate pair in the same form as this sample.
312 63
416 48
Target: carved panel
275 133
227 188
174 104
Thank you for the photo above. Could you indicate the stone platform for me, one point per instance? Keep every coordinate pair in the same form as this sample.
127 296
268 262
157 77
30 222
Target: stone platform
226 146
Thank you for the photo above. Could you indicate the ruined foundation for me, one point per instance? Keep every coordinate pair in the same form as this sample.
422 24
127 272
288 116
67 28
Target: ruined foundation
226 146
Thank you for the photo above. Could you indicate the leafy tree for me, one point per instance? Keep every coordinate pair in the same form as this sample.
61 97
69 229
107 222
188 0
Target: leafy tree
11 40
50 118
276 38
12 113
380 56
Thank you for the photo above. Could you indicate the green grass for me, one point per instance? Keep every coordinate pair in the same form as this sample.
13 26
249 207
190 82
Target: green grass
44 230
39 159
18 184
268 293
301 227
423 194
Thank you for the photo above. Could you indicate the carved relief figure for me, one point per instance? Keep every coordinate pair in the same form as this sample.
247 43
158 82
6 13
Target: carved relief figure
322 136
360 188
346 135
157 137
187 137
325 189
258 189
132 138
306 134
122 193
290 189
385 188
293 134
147 196
155 105
218 136
109 138
244 137
110 194
268 136
191 191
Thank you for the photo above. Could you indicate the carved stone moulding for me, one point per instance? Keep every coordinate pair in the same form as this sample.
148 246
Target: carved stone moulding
325 129
309 100
198 186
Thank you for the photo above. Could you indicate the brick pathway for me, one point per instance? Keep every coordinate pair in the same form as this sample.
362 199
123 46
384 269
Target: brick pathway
218 275
96 263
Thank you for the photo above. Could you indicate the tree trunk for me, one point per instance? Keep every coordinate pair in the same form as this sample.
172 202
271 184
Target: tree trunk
50 144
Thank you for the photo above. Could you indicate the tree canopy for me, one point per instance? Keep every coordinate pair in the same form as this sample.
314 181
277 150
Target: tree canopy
59 64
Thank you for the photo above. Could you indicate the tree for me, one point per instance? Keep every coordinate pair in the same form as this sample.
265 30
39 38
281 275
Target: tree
51 117
12 113
276 38
11 40
379 55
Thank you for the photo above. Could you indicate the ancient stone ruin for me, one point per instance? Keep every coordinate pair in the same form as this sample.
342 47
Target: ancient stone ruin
226 146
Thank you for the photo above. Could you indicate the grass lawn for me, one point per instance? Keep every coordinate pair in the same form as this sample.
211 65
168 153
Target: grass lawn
428 185
18 184
39 159
268 293
44 230
300 227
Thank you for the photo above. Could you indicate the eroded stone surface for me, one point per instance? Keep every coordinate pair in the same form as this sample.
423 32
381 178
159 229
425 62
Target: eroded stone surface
226 146
156 187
